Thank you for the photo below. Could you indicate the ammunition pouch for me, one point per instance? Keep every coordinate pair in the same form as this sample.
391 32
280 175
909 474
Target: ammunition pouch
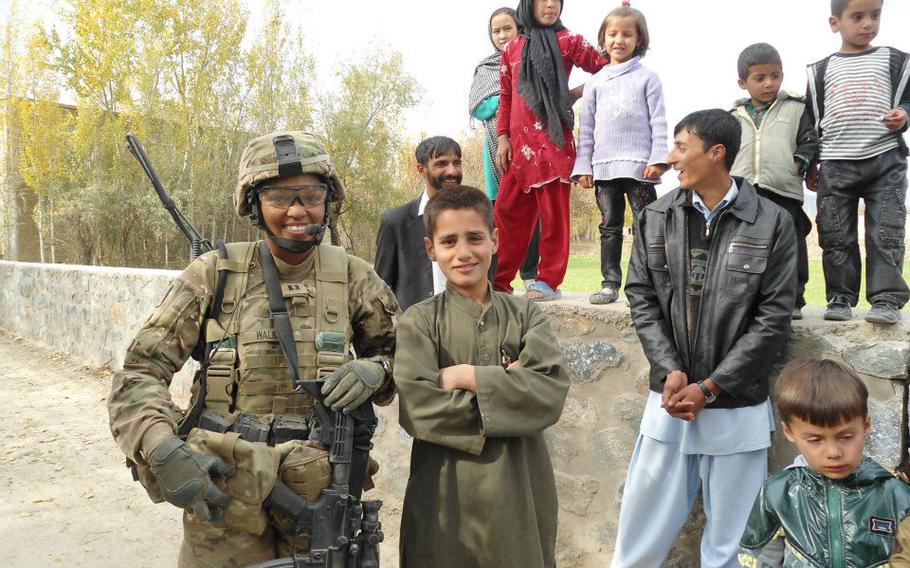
255 473
305 468
256 428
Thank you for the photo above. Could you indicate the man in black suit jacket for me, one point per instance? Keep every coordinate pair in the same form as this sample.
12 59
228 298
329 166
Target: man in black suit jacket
401 258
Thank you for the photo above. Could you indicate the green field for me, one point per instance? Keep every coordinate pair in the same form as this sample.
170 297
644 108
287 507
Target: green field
584 276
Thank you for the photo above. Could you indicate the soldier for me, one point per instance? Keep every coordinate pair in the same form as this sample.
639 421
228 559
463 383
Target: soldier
336 302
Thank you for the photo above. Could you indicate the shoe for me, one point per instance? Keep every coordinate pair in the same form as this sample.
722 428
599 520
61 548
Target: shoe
837 311
605 296
884 314
797 314
546 293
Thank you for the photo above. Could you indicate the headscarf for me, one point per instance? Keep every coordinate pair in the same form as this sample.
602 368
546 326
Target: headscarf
542 81
486 84
486 74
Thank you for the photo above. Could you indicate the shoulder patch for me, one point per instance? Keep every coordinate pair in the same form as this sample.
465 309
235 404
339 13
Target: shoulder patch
882 526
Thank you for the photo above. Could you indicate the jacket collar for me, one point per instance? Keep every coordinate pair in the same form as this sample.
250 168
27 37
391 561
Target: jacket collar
780 98
868 472
414 207
744 207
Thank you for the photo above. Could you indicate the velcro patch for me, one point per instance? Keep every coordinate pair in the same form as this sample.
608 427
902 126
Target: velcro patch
292 289
883 527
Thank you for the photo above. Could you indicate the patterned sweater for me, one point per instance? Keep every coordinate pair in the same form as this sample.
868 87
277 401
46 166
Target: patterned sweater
623 125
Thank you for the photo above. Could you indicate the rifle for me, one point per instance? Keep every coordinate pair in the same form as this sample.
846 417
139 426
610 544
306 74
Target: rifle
198 243
344 532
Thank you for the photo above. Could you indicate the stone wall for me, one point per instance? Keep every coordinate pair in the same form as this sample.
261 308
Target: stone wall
92 313
89 312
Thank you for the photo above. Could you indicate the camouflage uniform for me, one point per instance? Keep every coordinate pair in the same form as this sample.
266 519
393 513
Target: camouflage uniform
142 413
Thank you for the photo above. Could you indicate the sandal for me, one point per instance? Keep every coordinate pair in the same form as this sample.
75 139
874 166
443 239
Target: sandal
541 292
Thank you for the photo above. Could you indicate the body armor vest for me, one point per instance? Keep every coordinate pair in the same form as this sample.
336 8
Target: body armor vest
248 371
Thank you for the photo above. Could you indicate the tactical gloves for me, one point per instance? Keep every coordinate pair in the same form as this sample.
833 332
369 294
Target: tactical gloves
185 478
352 384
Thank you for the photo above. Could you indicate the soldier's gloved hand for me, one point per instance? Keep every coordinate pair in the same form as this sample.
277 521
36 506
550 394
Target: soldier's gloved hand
352 384
185 477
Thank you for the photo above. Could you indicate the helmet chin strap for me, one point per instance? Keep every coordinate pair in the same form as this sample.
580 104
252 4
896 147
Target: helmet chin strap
294 245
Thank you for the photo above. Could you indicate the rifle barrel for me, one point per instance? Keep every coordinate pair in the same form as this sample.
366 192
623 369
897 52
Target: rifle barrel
198 243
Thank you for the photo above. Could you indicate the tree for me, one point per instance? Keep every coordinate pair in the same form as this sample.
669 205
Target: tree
362 128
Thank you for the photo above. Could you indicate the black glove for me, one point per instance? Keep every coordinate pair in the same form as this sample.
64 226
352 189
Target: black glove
185 478
352 384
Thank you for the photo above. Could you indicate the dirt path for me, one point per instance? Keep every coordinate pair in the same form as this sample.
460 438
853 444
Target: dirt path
66 498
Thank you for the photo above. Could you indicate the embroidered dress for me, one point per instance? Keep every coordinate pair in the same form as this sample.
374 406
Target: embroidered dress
536 160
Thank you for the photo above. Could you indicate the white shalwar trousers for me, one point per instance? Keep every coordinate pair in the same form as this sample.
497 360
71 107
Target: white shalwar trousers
661 486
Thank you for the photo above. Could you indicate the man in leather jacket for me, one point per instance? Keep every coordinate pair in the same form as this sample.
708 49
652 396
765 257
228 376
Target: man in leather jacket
711 284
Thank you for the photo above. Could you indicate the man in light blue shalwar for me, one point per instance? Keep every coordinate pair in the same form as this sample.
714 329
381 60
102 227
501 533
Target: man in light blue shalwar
712 285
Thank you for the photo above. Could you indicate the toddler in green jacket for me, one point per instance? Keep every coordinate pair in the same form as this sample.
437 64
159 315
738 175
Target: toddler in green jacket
833 506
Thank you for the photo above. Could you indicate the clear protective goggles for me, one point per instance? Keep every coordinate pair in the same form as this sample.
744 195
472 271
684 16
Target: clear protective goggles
282 196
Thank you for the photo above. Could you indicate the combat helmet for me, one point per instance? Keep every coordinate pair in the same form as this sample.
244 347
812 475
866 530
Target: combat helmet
278 155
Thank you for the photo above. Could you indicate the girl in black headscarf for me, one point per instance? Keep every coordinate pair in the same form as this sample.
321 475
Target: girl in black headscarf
536 151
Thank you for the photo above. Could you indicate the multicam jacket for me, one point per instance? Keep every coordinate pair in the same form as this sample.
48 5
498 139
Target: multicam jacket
803 519
142 412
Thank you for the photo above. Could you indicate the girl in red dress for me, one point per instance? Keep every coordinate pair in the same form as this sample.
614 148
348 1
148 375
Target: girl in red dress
536 150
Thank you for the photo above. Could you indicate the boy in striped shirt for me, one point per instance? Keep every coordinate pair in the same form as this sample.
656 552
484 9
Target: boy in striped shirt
859 100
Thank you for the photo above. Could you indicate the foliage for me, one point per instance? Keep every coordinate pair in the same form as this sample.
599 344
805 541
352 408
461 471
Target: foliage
185 78
361 126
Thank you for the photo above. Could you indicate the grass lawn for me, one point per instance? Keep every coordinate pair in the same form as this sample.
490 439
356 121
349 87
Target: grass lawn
584 276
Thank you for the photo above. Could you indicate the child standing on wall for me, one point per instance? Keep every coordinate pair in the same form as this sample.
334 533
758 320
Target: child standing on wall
480 376
859 98
622 139
778 144
536 149
832 507
483 103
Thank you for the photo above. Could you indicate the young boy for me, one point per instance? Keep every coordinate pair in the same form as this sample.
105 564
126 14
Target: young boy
778 144
859 98
480 377
832 507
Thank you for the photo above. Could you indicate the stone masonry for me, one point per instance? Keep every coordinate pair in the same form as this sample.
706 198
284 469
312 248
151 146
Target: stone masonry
92 313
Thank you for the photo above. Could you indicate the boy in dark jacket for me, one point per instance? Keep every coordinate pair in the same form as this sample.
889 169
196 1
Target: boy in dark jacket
711 286
832 507
859 99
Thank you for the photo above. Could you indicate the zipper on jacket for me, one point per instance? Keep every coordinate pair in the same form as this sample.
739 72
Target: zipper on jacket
835 538
701 305
733 246
758 133
745 114
813 92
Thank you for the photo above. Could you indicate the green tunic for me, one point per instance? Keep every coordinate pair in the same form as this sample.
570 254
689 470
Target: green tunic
481 490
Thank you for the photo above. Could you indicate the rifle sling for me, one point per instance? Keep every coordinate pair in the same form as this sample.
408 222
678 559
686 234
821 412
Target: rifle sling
278 313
